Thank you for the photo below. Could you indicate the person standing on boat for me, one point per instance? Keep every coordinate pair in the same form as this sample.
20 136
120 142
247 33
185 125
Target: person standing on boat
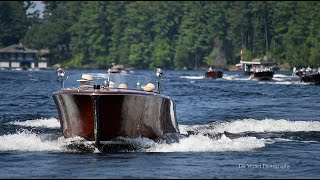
294 71
210 69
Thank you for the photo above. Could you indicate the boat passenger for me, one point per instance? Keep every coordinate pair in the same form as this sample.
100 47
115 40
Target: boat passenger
294 71
111 84
308 70
149 87
123 86
85 81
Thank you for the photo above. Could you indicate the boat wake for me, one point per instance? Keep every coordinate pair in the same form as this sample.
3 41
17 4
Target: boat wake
279 79
234 135
267 129
192 77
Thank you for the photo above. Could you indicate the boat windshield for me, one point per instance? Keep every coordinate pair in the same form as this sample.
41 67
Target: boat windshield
262 69
112 81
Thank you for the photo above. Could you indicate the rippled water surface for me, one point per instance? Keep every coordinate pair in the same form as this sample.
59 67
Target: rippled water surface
235 127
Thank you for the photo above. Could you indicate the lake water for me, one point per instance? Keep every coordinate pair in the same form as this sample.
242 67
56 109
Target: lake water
236 127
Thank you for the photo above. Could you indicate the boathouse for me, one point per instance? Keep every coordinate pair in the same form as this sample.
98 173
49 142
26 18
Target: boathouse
17 56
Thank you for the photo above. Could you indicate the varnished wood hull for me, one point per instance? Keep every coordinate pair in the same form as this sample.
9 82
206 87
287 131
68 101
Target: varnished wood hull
213 74
312 78
103 116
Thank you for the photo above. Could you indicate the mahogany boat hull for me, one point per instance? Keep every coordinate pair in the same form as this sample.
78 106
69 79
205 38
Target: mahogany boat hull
213 74
262 75
312 78
102 116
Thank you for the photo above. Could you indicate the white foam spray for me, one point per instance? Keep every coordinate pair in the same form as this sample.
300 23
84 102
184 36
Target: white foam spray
43 122
252 125
199 142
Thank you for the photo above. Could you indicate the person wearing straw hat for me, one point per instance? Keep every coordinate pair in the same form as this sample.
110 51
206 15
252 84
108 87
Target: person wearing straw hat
149 87
123 86
85 81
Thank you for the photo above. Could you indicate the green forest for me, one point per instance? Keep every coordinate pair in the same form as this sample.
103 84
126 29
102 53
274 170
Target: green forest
167 34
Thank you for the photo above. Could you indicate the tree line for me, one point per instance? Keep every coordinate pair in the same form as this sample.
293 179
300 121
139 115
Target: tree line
167 34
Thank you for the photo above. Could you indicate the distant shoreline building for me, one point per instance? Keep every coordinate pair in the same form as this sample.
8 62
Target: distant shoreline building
18 56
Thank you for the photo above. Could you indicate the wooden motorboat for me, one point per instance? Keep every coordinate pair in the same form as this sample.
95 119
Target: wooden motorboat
313 78
110 106
309 75
213 73
118 69
261 70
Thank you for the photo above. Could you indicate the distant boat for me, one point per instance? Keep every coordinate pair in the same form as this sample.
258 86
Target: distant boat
312 78
264 74
309 75
249 67
107 107
213 73
260 70
119 68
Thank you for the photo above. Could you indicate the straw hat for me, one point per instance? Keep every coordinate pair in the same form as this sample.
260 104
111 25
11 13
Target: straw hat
123 86
148 87
86 77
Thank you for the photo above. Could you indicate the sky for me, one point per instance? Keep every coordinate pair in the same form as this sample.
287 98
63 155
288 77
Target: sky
39 6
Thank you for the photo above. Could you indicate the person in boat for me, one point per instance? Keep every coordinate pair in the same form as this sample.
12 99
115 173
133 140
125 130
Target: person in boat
86 81
111 85
210 69
149 87
294 71
123 86
308 70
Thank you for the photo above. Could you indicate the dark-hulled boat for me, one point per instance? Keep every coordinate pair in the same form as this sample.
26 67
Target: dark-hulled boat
312 76
265 74
213 73
113 106
260 70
